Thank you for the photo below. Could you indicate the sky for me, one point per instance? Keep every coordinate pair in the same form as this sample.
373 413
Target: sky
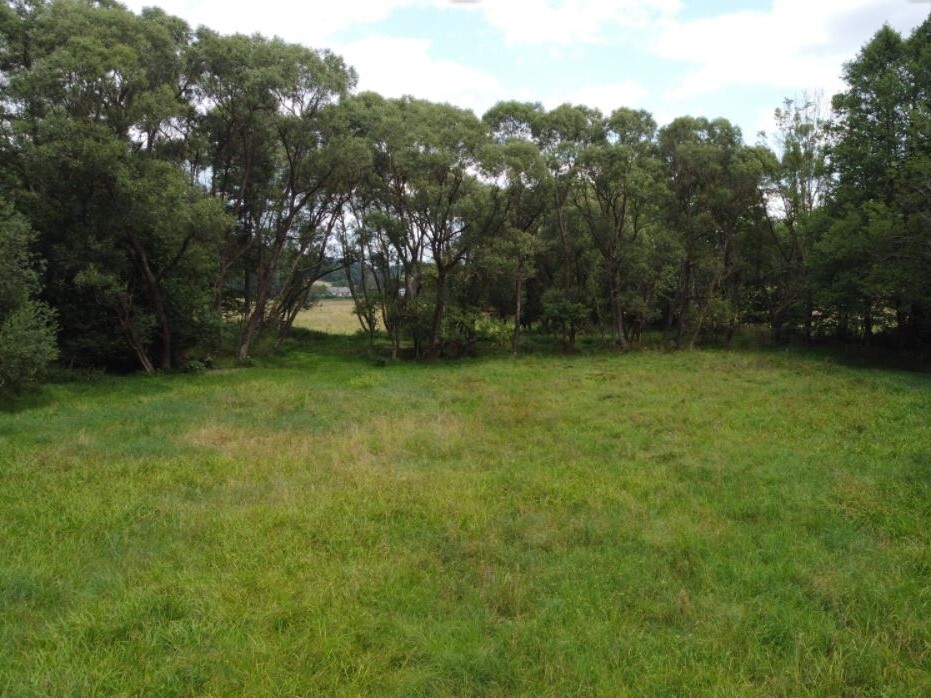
733 58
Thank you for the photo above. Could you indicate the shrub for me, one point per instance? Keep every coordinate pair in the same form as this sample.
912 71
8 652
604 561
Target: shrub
27 327
27 345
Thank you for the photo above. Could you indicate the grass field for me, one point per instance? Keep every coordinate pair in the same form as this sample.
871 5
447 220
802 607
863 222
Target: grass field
331 315
701 522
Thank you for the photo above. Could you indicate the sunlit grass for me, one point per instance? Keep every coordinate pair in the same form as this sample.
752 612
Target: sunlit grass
672 523
330 315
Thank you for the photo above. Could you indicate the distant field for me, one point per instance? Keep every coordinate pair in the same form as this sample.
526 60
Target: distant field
333 316
704 522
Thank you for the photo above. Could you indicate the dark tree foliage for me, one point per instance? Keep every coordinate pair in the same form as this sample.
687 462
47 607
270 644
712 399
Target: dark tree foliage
163 185
27 326
872 268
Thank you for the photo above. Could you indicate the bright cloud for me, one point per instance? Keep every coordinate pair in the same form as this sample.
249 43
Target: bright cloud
739 64
571 21
795 45
377 60
312 24
608 97
519 21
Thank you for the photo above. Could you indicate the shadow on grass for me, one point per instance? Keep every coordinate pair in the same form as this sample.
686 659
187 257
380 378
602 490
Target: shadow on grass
846 355
315 350
27 399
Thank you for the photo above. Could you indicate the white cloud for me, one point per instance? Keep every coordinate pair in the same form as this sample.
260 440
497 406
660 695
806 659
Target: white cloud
312 23
764 120
393 66
609 97
519 21
692 65
797 44
396 66
570 21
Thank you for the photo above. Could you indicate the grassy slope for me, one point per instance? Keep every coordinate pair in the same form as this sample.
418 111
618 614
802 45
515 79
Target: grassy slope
728 522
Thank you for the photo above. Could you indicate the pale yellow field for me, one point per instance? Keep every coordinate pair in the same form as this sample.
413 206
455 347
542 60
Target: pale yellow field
333 316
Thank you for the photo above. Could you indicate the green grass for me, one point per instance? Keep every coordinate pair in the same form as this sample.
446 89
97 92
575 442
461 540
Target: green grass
704 522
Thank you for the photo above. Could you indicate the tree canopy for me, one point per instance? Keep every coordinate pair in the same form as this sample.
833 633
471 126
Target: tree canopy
167 192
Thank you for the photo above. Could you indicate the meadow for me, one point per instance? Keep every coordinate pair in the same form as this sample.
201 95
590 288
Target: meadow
744 522
330 316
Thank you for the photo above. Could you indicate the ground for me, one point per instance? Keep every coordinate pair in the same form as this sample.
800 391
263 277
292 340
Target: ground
330 315
725 522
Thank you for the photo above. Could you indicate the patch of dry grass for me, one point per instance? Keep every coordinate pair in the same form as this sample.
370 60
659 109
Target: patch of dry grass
330 315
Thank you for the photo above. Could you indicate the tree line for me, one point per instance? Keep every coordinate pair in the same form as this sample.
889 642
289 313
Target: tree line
164 190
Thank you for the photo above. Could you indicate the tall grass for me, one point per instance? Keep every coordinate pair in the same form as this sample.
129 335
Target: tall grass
666 523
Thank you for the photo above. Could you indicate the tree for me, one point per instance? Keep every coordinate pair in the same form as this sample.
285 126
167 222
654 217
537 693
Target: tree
95 98
562 134
617 172
799 183
27 326
276 162
880 209
712 194
514 163
427 209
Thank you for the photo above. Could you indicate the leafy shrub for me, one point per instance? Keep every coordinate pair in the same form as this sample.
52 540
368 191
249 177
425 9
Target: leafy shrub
194 366
27 345
564 314
27 327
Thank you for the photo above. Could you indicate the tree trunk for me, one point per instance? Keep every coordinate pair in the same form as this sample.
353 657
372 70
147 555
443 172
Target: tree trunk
155 293
564 242
515 342
703 312
842 322
248 335
132 336
436 324
141 355
618 336
809 311
287 322
684 303
255 318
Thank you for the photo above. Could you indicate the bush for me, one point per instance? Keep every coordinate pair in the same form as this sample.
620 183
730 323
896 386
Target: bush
27 345
564 314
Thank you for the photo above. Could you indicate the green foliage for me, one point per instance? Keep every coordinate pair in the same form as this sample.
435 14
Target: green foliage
712 202
27 345
97 98
19 278
565 314
27 327
880 209
278 157
465 327
184 185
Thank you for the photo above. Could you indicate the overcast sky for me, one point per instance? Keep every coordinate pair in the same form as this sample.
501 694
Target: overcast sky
731 58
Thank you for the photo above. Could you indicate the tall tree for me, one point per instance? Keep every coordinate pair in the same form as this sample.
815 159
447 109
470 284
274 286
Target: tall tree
562 134
712 183
618 171
873 260
523 190
799 183
431 206
275 163
94 95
